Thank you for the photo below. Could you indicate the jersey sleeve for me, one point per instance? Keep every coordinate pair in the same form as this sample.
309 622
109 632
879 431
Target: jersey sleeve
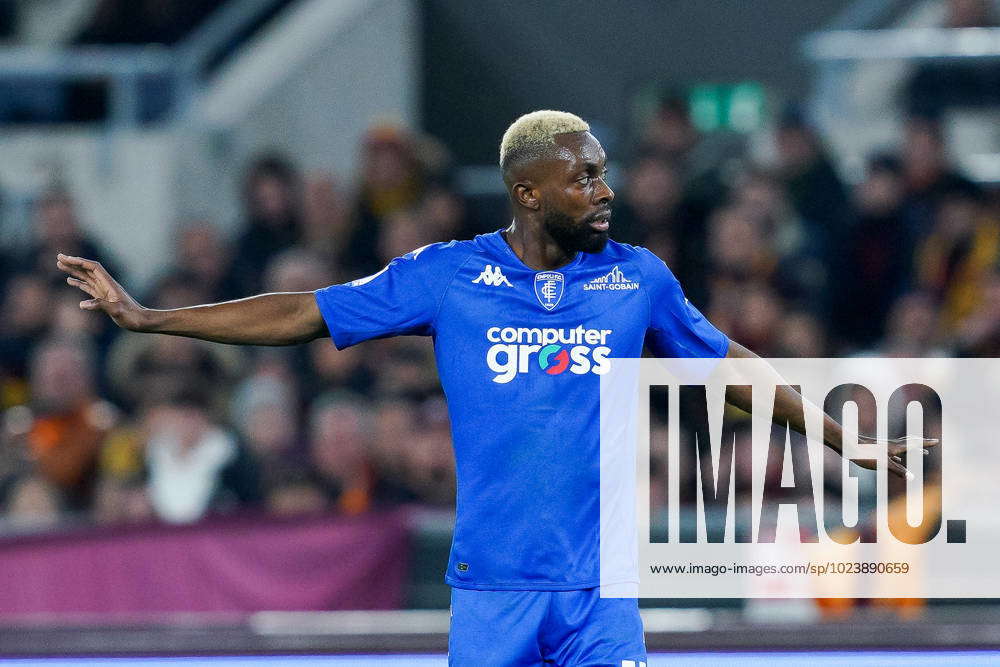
401 299
676 328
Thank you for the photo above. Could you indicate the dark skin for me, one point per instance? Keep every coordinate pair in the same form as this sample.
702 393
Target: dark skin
569 181
561 206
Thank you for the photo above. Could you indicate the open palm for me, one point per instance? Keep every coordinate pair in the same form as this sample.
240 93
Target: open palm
105 292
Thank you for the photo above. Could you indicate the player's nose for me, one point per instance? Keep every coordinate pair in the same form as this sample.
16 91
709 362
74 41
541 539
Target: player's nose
604 194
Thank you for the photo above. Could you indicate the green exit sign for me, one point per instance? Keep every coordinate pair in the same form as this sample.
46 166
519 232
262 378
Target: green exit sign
739 107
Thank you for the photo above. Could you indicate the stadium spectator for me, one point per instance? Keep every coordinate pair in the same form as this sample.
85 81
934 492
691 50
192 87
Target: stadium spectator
389 169
202 254
195 464
912 328
329 369
813 186
927 173
670 130
406 368
978 335
653 213
392 180
70 420
872 264
430 470
801 335
145 370
651 199
411 452
266 411
272 209
760 315
443 213
800 271
403 229
339 449
296 269
740 258
24 323
394 428
57 229
15 459
959 252
121 495
68 319
702 160
326 219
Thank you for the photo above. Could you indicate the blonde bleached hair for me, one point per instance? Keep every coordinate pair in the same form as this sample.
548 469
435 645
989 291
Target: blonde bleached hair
534 133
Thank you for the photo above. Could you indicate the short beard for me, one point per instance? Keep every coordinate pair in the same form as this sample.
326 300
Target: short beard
573 236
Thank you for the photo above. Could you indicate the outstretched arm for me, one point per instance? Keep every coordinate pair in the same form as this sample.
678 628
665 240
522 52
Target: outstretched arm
283 318
788 405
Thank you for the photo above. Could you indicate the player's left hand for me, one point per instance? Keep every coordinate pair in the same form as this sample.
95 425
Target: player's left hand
895 454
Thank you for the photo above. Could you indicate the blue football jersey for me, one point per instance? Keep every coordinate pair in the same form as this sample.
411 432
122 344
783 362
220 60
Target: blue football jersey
520 353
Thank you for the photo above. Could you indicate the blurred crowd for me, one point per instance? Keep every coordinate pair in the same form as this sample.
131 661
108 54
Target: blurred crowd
111 427
783 255
793 262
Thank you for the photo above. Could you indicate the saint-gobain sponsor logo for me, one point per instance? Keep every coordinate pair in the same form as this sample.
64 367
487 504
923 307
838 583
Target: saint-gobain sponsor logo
614 280
516 350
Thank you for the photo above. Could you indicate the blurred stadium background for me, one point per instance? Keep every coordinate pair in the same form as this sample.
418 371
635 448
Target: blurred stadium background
822 176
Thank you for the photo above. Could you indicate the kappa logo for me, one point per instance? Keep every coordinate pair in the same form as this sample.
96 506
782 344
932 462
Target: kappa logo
492 276
549 287
614 280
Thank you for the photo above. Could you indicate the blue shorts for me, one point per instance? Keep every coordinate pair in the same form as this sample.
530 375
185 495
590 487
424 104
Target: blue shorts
537 628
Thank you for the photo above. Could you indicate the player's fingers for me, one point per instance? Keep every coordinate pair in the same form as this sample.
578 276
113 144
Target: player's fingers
898 469
898 450
82 285
90 304
85 264
73 270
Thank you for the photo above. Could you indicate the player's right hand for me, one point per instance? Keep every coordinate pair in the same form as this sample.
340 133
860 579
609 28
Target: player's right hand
105 292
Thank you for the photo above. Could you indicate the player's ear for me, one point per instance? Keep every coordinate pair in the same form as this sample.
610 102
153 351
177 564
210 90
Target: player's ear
526 195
